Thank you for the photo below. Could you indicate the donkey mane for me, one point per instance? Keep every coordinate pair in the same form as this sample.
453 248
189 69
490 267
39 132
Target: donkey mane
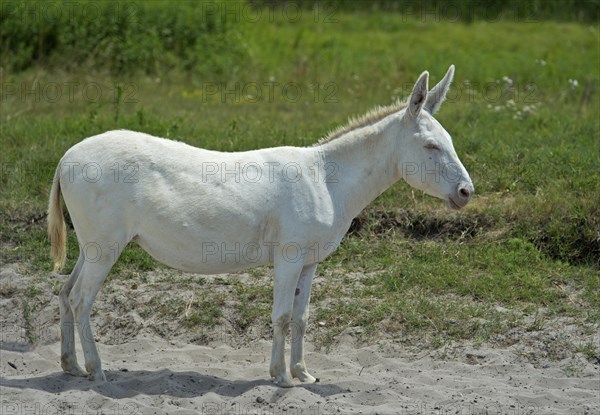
371 117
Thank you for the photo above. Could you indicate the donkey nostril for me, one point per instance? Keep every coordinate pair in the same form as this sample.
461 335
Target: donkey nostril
464 192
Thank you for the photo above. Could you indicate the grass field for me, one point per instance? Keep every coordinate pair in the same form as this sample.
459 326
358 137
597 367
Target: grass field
523 112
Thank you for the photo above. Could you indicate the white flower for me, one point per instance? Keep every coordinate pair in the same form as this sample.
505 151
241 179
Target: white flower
507 80
574 83
541 62
510 103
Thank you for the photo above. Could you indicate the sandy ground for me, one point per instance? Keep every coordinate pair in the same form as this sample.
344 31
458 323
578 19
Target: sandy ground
149 374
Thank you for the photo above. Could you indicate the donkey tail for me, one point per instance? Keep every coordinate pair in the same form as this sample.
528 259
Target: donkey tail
57 230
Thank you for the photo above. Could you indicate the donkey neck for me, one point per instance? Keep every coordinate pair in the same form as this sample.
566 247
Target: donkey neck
366 162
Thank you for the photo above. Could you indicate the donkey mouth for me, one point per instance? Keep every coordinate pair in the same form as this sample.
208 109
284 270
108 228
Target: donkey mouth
453 205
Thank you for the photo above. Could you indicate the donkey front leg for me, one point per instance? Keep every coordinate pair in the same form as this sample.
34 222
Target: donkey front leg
299 320
284 287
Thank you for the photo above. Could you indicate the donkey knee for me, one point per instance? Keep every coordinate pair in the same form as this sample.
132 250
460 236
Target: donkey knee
281 322
298 328
76 304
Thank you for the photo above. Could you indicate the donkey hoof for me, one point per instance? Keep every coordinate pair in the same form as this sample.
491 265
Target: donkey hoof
303 376
76 371
97 376
283 381
306 378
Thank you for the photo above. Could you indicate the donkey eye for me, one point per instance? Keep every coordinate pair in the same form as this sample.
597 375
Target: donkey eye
431 146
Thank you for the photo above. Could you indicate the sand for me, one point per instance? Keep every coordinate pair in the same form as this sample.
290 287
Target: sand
150 374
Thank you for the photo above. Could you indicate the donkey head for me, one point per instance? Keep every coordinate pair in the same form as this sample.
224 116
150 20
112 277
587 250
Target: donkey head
428 159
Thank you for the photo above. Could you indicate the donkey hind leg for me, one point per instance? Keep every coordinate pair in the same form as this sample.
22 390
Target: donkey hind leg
284 286
299 320
81 298
68 359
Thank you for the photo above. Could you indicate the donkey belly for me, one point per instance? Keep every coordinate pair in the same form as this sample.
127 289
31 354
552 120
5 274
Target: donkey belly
205 252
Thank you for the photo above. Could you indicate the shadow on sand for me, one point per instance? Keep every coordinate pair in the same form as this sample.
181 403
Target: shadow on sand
127 384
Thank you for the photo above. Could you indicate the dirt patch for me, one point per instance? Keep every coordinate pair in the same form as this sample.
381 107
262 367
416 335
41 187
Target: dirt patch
161 357
422 225
572 239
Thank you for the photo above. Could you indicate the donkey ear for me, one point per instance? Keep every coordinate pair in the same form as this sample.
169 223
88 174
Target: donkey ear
437 95
418 96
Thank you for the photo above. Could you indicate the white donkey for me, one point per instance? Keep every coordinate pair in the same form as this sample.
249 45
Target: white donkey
211 212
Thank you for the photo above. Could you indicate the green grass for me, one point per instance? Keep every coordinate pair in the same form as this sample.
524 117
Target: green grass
27 322
253 305
200 310
119 37
450 289
529 138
